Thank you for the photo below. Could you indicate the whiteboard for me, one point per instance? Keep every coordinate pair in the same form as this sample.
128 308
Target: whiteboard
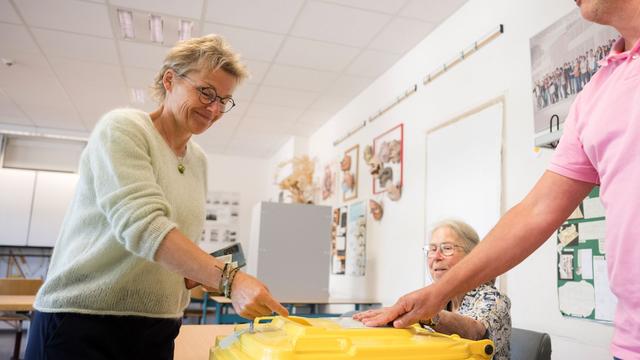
464 170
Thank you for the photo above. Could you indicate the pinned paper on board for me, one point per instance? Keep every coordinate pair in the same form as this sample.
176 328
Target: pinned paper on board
567 235
585 263
565 266
592 230
577 298
606 301
593 208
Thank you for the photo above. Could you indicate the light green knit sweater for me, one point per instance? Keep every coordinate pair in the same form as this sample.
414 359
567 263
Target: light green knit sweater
129 196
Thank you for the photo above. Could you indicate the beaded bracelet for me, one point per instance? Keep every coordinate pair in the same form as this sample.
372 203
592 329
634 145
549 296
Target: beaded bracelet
229 282
223 277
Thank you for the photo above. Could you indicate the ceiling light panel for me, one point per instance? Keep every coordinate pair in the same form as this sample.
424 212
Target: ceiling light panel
125 22
153 28
191 9
185 28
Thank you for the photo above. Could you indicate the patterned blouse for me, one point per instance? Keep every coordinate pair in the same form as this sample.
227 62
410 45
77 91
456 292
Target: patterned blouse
487 305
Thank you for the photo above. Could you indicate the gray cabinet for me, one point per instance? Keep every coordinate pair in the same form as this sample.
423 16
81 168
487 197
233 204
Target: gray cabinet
289 250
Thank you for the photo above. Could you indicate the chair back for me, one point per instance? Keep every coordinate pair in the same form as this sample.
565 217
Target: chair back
19 286
530 345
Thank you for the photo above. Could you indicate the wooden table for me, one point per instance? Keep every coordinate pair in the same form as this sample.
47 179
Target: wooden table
194 341
223 305
17 302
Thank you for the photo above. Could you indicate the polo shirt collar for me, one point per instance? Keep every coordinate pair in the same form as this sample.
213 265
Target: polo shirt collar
617 52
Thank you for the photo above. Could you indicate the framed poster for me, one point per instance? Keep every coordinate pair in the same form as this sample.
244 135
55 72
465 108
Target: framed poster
221 225
564 57
338 240
328 182
349 167
387 147
356 256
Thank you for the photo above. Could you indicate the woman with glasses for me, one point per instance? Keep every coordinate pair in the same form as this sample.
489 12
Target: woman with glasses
125 257
482 313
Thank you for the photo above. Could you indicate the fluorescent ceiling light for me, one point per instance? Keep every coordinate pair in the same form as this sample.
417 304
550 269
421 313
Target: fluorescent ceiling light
155 27
137 96
184 29
125 18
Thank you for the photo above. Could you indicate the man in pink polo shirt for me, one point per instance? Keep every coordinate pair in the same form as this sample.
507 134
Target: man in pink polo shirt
600 145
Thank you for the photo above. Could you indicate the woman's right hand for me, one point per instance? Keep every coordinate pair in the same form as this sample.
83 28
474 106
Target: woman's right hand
251 298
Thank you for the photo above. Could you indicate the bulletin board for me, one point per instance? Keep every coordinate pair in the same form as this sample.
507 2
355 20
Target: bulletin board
583 286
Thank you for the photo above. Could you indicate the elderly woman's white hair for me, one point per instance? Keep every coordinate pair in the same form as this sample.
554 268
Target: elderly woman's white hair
467 234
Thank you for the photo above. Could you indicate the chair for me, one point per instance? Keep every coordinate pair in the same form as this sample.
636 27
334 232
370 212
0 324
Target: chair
16 287
530 345
196 306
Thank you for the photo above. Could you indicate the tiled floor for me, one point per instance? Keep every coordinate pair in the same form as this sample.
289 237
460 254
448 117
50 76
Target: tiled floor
7 339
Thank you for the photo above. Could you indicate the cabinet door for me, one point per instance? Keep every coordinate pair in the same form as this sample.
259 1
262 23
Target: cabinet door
52 196
16 194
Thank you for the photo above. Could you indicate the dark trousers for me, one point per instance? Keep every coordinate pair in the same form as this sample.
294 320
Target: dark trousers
69 336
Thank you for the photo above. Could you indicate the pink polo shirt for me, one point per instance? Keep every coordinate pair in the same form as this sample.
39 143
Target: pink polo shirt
601 145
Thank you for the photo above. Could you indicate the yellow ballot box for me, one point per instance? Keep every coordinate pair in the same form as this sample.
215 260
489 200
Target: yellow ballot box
279 338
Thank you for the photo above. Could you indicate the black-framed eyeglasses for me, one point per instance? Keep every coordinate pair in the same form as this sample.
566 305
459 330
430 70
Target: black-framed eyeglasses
446 249
208 95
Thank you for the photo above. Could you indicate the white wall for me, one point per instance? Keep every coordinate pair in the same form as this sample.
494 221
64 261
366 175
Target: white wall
502 68
244 175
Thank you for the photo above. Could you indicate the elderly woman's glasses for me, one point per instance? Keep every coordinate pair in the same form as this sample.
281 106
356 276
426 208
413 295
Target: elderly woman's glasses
446 249
208 95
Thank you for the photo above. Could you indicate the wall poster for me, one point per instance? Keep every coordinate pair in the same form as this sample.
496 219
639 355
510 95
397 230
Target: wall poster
222 211
349 167
564 57
356 260
387 151
338 240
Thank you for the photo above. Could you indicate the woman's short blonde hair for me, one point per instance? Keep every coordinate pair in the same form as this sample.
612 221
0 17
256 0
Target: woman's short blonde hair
209 52
467 234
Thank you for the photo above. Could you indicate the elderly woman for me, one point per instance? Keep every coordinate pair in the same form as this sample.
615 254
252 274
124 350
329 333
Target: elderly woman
125 257
482 313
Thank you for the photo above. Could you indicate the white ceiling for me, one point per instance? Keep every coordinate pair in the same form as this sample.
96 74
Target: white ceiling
308 59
